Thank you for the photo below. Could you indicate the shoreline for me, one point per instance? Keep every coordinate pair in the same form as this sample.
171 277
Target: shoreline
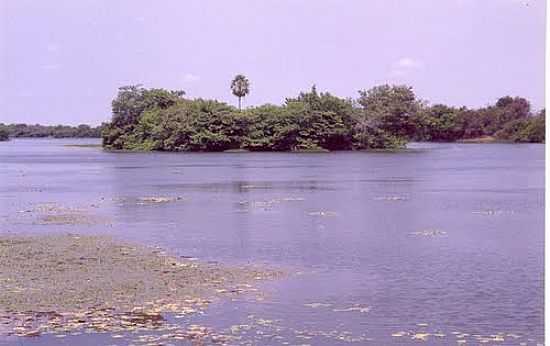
477 140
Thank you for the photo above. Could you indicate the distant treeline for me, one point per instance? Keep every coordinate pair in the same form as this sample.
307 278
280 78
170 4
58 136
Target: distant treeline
57 131
382 117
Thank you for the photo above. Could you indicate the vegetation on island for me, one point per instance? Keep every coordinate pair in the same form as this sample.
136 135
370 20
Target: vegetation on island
56 131
509 120
383 117
4 135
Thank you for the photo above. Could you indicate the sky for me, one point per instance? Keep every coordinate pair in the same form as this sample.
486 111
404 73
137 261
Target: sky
61 62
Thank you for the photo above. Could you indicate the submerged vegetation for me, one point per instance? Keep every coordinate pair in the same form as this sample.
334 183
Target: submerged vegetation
61 284
382 117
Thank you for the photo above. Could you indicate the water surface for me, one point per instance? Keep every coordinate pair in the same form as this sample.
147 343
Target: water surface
448 236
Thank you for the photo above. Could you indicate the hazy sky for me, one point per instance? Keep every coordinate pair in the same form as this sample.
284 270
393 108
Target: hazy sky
62 61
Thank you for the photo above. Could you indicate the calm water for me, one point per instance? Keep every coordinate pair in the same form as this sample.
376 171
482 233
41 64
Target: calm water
343 223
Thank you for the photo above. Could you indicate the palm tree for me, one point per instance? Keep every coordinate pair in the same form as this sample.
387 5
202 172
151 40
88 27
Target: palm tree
240 86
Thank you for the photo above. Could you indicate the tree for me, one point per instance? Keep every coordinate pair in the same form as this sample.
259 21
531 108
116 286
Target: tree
4 135
530 129
325 120
438 123
240 87
383 117
512 108
129 106
388 113
133 100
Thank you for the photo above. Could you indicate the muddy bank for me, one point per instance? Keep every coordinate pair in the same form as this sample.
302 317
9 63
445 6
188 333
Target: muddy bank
477 140
66 283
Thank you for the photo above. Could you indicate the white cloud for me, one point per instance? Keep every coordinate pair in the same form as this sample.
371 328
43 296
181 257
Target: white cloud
50 67
408 63
52 47
190 78
471 3
464 3
405 65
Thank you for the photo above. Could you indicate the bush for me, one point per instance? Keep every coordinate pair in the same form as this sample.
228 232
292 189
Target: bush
527 130
4 135
384 117
57 131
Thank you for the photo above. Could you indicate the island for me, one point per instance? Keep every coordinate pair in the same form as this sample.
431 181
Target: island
382 117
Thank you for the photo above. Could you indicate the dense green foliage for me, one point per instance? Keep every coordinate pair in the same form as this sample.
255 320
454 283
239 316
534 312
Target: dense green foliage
382 117
310 121
57 131
530 129
510 119
4 135
387 117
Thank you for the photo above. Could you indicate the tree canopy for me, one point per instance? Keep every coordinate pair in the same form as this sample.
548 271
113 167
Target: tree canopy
240 87
382 117
4 135
56 131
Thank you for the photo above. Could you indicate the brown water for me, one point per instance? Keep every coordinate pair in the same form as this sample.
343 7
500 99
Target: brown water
448 236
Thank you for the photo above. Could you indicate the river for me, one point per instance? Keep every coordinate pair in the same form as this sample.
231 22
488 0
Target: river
439 239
